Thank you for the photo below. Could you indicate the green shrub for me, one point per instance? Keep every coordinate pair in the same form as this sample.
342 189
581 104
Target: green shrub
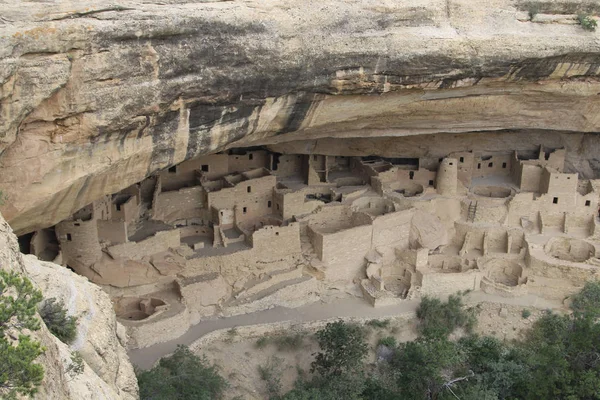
438 319
261 342
587 22
525 313
76 366
588 300
343 349
270 373
378 323
388 341
18 306
55 317
289 342
181 376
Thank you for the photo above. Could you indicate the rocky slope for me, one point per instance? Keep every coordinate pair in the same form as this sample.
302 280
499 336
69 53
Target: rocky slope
97 94
107 373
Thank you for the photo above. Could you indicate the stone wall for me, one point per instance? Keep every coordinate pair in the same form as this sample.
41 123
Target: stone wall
79 242
184 203
161 241
344 252
277 240
113 232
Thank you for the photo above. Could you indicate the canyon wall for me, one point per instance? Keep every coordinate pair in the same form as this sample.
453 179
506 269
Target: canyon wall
101 340
96 95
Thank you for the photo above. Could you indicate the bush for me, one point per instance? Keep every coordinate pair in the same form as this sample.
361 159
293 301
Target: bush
182 376
343 349
289 342
525 313
55 317
388 341
261 342
587 22
437 319
378 323
271 375
588 300
18 306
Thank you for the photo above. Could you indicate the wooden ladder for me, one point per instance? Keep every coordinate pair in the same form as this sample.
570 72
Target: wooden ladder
472 211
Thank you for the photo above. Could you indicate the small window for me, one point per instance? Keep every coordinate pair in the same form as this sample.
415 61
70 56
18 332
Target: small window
490 165
441 159
269 203
244 210
249 189
221 212
69 238
278 206
451 163
555 200
118 207
277 233
173 169
479 166
411 174
462 159
568 177
588 203
204 168
315 157
250 156
77 224
431 183
503 165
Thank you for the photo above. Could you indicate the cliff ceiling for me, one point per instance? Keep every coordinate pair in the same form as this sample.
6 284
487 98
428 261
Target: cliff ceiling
96 95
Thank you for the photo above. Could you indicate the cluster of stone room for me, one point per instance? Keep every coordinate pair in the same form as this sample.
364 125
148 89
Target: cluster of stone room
248 229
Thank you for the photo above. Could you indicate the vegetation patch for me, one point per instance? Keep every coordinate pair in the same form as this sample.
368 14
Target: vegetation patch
587 22
182 376
55 317
19 375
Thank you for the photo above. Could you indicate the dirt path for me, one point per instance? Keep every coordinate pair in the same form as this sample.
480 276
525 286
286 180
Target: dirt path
345 307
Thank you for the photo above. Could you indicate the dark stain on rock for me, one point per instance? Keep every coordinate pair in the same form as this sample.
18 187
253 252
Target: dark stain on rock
163 140
297 115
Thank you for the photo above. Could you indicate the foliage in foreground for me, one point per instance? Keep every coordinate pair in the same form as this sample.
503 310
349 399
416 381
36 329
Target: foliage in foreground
587 22
55 317
18 304
182 376
559 358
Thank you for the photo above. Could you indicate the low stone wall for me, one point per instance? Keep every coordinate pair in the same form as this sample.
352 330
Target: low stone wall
148 333
160 242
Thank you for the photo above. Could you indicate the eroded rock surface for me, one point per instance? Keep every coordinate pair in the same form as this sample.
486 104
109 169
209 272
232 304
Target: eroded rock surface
97 95
107 373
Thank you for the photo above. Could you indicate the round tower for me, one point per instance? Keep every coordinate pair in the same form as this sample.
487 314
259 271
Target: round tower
447 177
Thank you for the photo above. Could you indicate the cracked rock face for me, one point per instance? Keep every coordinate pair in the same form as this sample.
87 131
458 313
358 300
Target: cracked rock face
101 340
97 95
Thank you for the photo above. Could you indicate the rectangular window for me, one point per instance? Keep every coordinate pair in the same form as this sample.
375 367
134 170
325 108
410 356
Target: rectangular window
503 165
431 183
555 200
462 159
249 189
69 237
244 210
411 174
250 156
479 166
269 203
173 169
118 207
490 165
588 203
204 168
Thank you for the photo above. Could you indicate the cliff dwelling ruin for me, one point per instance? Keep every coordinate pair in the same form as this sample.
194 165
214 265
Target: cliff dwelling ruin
247 229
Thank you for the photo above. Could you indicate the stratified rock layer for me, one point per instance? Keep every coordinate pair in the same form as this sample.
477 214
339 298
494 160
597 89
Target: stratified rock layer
96 96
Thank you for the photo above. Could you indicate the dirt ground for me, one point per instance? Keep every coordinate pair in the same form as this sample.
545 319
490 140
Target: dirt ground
239 356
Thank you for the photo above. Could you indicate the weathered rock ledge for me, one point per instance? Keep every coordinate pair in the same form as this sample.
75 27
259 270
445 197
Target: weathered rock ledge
98 95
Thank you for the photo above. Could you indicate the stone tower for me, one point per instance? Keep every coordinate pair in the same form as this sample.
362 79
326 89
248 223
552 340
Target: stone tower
447 177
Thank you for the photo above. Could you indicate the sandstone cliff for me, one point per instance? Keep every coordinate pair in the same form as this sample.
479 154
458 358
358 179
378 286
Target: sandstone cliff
97 94
107 373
